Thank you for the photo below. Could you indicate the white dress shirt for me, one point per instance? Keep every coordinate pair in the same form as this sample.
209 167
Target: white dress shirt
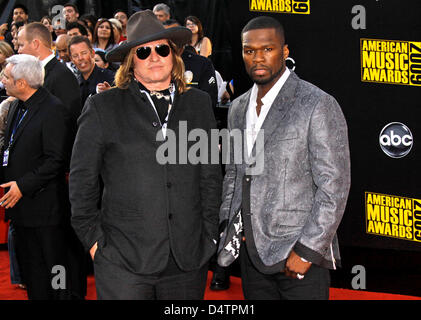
48 59
254 122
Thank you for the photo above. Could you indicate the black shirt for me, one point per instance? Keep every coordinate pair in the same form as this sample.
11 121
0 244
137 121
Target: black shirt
88 86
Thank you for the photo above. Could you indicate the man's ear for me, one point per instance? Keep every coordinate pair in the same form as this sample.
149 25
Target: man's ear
21 83
36 43
286 51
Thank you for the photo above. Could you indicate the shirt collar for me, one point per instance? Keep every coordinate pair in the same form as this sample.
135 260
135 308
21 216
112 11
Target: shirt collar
32 99
91 76
272 93
48 59
270 96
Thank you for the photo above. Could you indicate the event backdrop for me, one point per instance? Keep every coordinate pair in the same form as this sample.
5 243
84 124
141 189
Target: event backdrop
367 54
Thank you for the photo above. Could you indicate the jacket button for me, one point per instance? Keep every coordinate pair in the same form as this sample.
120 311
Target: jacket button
248 179
170 216
155 124
169 185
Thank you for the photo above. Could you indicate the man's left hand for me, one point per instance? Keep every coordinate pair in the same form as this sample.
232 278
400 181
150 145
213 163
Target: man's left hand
12 197
104 86
296 266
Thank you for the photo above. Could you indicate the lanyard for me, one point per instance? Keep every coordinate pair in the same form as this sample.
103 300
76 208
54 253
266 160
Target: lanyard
163 125
17 124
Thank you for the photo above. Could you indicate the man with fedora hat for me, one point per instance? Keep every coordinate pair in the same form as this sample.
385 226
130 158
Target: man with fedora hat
154 229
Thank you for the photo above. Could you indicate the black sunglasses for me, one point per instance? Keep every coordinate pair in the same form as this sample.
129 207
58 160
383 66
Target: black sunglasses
144 52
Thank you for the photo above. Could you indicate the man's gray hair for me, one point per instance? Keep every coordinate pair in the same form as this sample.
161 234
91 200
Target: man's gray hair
161 7
27 67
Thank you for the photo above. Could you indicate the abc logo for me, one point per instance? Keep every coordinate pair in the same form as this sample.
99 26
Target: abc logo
290 63
396 140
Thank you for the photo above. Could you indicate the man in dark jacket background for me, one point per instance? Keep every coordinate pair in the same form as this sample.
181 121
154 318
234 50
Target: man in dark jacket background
92 79
33 174
35 39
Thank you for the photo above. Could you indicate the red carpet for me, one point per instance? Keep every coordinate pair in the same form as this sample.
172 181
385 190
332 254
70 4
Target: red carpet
12 292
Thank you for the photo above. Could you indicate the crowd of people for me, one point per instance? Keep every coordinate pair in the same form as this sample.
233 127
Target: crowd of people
87 106
80 43
105 34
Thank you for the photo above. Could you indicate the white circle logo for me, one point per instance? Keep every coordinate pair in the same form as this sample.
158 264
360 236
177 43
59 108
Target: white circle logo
290 63
396 140
188 76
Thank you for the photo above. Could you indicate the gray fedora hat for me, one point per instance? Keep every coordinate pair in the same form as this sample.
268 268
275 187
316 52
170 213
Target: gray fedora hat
143 27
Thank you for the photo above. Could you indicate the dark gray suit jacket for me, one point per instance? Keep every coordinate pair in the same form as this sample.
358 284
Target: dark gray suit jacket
146 207
298 195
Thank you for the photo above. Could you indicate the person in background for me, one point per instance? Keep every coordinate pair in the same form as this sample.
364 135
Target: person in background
62 52
35 39
199 42
16 27
89 20
16 276
104 35
3 29
102 62
35 191
199 72
122 16
20 13
20 17
71 12
61 48
117 29
162 12
76 29
5 52
92 79
47 22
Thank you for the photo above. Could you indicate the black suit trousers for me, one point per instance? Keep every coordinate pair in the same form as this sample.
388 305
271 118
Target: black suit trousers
278 286
38 250
114 282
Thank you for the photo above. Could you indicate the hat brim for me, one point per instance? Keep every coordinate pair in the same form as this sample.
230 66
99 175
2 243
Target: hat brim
179 35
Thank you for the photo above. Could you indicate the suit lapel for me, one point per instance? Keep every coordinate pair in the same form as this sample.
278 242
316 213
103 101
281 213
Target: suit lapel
143 101
10 119
280 107
240 121
30 113
37 99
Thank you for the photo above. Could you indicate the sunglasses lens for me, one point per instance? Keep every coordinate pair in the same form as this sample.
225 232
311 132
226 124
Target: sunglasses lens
143 52
163 50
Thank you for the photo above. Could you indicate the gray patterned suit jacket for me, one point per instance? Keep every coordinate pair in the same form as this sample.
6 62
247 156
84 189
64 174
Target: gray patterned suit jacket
298 199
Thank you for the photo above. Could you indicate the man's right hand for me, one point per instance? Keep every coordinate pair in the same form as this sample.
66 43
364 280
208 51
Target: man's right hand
93 250
3 29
